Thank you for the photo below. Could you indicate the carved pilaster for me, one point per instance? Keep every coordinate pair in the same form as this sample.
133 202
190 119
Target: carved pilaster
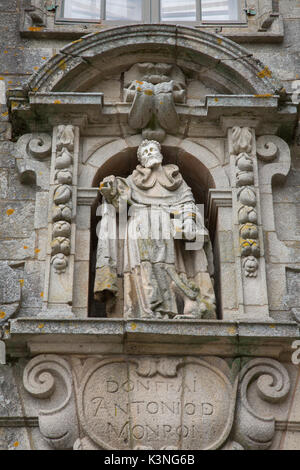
62 213
247 225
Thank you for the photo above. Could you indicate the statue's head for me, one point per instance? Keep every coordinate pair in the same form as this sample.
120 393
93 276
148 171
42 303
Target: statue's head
149 153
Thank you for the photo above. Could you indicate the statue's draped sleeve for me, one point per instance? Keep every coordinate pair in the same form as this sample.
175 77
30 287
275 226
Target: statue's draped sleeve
107 249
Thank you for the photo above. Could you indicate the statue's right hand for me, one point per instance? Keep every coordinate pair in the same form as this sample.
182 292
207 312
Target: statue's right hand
108 187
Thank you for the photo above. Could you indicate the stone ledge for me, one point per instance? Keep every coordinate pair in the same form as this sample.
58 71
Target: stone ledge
114 336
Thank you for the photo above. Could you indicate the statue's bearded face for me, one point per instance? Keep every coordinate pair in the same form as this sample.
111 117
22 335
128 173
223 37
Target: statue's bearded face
150 155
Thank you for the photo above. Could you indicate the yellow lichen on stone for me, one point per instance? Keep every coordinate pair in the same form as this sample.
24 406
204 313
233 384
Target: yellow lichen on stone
2 315
35 28
265 95
231 330
57 102
10 211
148 92
62 64
266 72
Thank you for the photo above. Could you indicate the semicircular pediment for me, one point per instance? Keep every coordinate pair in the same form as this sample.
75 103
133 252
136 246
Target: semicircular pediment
214 60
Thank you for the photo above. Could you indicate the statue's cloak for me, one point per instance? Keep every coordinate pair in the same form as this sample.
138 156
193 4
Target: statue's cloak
144 247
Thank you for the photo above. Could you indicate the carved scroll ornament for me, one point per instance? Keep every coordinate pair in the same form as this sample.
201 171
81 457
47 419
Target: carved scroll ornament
32 153
50 377
252 430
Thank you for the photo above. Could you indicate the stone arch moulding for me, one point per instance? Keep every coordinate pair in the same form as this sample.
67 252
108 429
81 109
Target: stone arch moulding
181 45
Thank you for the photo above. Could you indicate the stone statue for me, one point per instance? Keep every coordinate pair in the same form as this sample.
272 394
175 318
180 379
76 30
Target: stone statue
152 244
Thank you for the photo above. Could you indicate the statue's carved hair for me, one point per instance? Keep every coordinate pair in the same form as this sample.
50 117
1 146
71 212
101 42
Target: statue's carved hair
143 144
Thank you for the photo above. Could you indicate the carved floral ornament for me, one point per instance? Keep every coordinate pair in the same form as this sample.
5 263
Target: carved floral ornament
154 403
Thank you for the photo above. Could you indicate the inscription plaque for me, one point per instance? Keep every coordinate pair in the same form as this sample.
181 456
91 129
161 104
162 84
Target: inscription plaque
161 403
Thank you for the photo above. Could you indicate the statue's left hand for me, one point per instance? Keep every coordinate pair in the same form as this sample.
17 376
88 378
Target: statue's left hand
189 229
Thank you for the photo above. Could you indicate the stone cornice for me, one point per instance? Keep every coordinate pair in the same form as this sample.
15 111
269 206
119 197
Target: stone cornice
88 110
115 336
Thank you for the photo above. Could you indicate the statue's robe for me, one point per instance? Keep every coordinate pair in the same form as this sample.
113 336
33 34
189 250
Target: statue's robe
149 252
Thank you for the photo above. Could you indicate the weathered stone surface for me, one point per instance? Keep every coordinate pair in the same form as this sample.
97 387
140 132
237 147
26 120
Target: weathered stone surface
33 287
17 219
10 292
292 297
8 5
10 402
19 249
5 129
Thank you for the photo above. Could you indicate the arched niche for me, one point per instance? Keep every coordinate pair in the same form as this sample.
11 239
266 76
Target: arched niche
199 167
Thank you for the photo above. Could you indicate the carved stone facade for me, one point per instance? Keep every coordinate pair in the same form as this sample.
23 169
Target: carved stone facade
113 341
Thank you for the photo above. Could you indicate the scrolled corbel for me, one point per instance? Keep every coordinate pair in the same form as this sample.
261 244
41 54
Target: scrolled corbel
50 377
251 429
267 150
32 154
37 13
39 146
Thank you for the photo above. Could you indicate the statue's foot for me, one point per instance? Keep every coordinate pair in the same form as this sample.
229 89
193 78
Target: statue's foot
187 317
191 309
161 316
